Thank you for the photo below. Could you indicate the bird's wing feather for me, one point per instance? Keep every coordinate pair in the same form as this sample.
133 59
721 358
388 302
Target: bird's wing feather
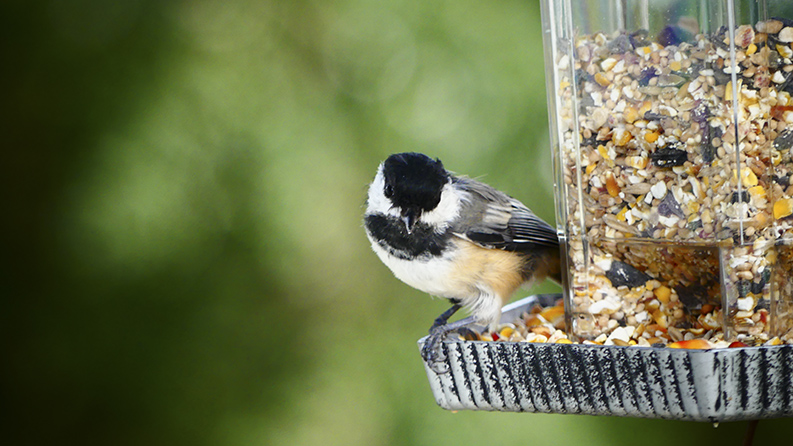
497 220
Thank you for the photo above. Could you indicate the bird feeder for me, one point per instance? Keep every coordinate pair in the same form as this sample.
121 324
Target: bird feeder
671 132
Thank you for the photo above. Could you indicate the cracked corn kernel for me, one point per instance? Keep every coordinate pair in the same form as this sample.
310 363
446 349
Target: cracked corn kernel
638 162
660 318
774 341
549 314
608 64
603 152
783 207
662 293
621 214
748 177
630 115
784 51
621 137
506 332
757 191
601 79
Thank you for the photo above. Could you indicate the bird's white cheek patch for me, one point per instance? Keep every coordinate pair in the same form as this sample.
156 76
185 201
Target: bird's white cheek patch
376 202
447 210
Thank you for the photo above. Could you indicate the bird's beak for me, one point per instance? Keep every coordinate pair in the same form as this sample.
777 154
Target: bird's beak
409 218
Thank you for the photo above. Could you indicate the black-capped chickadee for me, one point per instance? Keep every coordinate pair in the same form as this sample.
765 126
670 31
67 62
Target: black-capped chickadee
457 238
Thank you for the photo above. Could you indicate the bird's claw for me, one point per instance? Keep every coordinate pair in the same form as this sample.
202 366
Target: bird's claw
433 352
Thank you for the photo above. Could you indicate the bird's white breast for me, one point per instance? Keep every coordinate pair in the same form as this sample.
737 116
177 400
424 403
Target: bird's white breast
433 275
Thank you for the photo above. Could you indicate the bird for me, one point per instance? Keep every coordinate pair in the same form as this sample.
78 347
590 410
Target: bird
457 238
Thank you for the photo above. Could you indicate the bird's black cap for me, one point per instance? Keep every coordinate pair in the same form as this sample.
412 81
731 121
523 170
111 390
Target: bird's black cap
414 181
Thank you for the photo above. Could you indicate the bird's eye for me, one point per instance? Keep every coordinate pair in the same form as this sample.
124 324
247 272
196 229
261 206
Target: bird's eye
389 191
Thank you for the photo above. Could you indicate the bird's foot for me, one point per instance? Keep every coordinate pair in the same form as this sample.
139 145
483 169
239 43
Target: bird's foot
434 352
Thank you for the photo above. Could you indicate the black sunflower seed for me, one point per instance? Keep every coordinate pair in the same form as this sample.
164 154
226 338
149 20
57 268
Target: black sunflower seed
621 274
668 157
785 140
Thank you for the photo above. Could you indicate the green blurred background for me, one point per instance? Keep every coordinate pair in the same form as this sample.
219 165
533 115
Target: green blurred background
186 180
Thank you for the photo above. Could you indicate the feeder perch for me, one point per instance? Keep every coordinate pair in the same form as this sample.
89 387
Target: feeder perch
674 384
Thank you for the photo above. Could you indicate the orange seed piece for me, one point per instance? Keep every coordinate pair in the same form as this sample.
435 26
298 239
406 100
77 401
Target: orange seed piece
621 137
651 136
602 80
552 313
611 185
506 332
662 293
693 343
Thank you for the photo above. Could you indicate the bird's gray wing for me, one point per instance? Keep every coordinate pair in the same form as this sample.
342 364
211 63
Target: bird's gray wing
492 219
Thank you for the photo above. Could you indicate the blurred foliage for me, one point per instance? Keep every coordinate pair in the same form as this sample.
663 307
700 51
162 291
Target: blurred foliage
185 257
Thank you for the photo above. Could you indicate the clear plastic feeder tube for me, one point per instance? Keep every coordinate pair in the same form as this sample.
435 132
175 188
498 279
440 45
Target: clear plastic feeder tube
671 128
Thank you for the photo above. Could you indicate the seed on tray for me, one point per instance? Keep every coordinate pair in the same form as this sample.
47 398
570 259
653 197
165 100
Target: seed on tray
694 343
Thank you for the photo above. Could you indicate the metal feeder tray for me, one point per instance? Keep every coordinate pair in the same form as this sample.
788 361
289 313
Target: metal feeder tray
714 385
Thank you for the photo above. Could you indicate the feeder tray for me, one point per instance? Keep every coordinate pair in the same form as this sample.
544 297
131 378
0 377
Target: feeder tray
714 385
